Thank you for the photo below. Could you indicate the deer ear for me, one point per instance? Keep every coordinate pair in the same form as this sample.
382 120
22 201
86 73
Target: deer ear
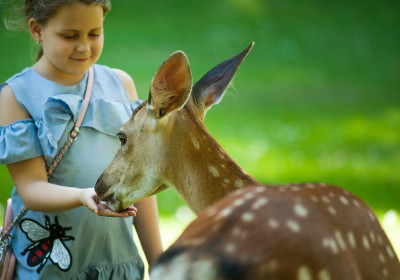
171 85
211 87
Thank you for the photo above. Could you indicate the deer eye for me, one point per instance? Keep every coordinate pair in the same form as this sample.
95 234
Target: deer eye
122 138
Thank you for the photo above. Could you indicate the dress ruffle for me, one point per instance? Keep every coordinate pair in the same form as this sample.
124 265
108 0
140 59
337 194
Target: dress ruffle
127 271
28 138
19 141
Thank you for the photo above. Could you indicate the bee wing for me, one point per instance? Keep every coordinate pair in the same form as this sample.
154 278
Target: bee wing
33 230
60 255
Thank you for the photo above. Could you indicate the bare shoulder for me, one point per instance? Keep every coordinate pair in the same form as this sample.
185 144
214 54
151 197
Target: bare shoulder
10 110
128 83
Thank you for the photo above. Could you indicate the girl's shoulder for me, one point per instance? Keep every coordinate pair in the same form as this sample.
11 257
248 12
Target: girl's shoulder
116 77
10 110
128 83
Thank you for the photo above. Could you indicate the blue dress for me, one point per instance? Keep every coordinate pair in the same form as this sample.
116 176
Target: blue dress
73 244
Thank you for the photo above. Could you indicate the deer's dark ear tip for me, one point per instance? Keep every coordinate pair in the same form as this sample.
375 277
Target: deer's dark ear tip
249 48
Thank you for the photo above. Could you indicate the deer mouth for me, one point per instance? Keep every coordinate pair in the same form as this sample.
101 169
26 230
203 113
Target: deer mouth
113 203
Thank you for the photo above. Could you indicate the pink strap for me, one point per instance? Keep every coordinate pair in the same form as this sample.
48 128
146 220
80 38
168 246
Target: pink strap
74 133
85 104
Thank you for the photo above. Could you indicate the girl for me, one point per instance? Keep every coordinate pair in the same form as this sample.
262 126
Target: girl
58 238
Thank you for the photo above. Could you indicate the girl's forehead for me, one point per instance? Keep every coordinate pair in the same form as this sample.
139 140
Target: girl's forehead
77 16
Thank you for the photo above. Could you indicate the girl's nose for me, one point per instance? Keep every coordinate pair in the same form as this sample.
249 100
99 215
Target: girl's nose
83 46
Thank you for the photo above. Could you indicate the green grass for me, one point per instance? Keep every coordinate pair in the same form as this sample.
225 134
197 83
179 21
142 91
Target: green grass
316 100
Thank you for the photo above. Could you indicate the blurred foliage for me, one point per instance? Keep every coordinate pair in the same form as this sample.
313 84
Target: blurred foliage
318 98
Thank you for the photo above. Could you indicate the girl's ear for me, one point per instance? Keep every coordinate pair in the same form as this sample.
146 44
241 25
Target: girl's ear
35 29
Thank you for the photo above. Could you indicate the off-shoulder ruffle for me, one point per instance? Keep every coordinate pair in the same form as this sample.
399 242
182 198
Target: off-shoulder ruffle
19 141
132 271
61 112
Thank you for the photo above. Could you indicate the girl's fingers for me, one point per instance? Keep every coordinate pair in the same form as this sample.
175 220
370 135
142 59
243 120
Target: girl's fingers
105 211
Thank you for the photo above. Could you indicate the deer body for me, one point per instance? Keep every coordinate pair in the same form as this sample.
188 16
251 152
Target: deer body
302 231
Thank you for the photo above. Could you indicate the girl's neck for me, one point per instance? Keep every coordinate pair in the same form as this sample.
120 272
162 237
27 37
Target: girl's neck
50 72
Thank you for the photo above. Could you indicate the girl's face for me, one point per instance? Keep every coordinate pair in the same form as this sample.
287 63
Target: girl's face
72 40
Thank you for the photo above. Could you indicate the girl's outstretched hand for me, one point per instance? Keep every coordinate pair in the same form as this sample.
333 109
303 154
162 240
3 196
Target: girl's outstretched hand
90 200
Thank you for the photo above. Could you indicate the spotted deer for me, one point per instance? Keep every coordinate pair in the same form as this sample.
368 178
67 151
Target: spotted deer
244 230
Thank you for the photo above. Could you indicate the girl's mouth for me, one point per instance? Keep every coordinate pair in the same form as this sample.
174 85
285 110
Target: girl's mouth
80 59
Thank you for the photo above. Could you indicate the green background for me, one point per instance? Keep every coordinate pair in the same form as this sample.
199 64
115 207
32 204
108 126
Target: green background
318 98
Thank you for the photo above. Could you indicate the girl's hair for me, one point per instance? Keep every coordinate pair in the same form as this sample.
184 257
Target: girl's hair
42 11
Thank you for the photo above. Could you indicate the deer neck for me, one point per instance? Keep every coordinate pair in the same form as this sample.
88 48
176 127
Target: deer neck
201 171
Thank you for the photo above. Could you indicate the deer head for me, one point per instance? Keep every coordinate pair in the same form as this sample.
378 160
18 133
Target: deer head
162 143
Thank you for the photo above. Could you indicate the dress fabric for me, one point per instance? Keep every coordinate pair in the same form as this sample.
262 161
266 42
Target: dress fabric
73 244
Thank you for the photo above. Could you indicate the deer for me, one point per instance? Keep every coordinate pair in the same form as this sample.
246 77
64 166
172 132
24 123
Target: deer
244 229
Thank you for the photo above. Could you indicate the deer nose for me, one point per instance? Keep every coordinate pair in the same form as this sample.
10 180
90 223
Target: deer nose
100 188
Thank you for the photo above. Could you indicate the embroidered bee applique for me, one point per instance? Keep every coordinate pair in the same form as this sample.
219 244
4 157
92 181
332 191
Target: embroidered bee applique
47 243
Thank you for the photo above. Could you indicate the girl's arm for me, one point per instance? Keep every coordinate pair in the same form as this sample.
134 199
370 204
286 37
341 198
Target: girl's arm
38 194
147 227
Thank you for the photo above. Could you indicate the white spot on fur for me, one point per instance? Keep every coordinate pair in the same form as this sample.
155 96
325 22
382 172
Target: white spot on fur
225 212
365 242
385 272
304 273
326 199
372 236
324 275
371 215
193 241
273 223
352 239
356 203
230 248
211 211
213 170
238 202
247 216
195 142
259 189
314 198
248 196
181 267
330 243
239 232
292 225
227 181
259 203
390 252
310 186
295 188
331 210
381 258
270 267
238 183
340 240
300 210
344 200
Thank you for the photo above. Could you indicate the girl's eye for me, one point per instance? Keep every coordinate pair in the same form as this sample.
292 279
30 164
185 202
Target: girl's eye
122 138
70 36
95 35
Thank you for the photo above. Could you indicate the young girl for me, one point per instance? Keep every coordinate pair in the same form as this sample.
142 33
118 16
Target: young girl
64 234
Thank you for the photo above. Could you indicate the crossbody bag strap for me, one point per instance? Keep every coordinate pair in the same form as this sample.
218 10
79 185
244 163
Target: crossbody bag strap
75 131
72 137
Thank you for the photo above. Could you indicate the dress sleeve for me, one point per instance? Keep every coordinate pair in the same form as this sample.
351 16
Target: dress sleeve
19 141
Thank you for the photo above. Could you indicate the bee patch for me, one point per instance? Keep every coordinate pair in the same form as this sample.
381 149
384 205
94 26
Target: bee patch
47 243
